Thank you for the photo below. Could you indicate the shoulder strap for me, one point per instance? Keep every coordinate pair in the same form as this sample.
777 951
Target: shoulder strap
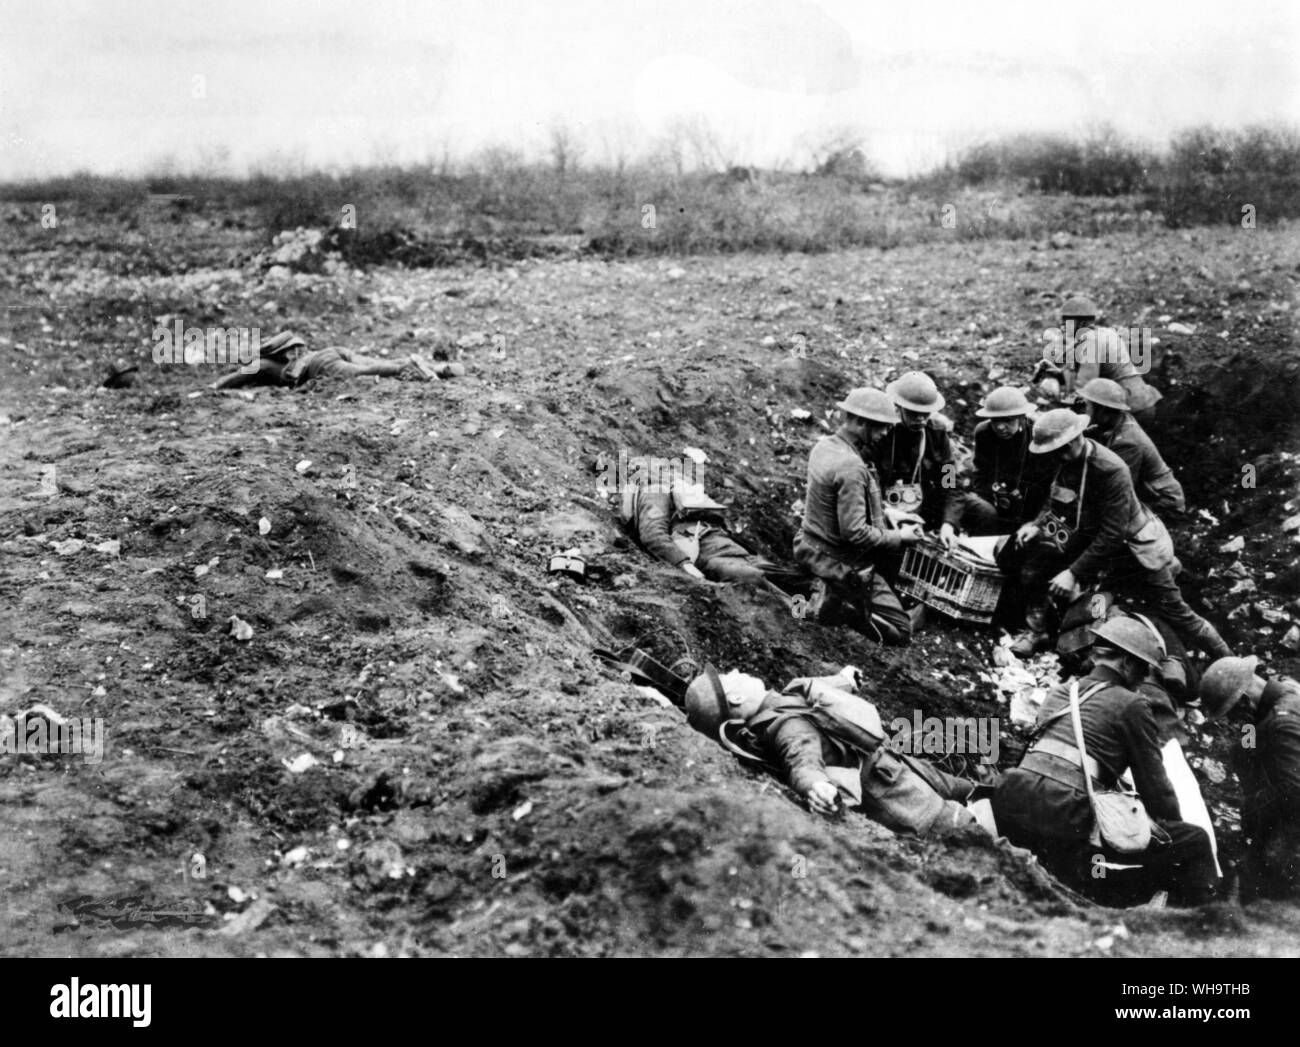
1024 454
1083 482
1074 687
1160 640
997 457
1078 740
920 457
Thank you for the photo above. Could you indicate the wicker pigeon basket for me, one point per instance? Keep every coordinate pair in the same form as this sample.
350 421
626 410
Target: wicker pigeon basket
958 582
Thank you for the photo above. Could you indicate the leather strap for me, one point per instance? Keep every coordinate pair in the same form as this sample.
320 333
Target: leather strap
920 454
1083 483
1160 640
1041 727
1064 772
1078 740
1024 455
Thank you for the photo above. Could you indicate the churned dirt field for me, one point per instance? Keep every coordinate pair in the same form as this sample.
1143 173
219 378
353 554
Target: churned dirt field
481 785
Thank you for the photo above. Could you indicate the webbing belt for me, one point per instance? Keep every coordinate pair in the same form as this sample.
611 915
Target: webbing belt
1068 753
1045 765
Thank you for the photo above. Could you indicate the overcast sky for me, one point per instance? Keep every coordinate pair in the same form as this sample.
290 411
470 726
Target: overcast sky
118 86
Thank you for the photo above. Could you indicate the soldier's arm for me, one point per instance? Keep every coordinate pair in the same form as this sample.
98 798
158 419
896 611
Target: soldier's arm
234 380
1052 363
855 523
1282 753
982 464
1114 359
653 513
1043 476
1045 369
1142 742
1127 376
1112 492
269 372
1166 493
797 744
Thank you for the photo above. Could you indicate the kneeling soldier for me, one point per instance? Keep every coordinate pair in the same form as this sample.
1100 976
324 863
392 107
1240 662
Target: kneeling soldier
1093 526
848 539
1114 427
1085 351
1043 804
915 462
1009 485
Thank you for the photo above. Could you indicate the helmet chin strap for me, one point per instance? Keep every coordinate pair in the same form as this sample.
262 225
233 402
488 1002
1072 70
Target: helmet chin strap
1140 669
1119 661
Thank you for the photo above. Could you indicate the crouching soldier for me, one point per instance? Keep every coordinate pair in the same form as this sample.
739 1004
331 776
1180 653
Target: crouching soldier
1080 351
829 745
915 462
1167 688
1113 427
1267 762
1091 526
1174 683
1009 484
1044 805
848 539
684 527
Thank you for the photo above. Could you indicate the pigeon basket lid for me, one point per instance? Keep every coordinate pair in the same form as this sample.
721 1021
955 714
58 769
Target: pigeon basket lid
958 583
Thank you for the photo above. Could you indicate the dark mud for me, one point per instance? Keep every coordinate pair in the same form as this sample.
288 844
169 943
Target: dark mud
483 785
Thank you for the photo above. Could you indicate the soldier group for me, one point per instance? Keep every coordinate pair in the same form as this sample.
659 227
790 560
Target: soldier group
1077 493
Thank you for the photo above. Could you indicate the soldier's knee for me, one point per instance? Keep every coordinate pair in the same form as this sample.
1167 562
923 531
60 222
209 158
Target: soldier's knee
891 634
894 625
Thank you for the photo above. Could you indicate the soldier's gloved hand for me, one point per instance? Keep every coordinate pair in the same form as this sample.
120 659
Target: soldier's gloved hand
693 571
823 797
947 536
1027 533
1063 586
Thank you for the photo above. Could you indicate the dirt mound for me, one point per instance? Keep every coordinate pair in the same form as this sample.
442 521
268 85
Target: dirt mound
422 251
415 751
